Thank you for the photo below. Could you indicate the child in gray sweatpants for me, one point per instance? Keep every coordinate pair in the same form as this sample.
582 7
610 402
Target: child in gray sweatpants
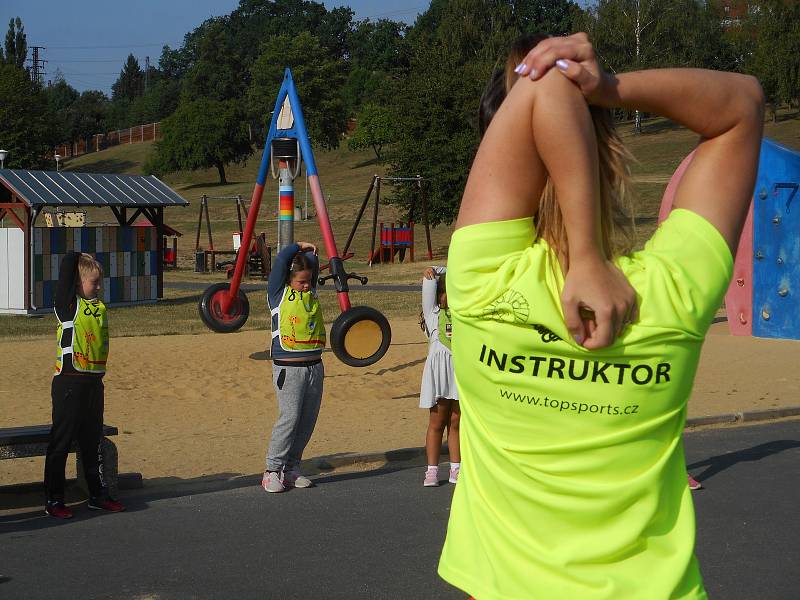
298 338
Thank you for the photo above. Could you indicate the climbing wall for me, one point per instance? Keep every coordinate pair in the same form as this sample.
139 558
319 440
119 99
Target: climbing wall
776 244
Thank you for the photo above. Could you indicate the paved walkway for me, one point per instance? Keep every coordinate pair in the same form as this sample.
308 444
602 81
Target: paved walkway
377 534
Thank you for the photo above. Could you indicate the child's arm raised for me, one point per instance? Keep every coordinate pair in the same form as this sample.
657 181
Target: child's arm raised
726 109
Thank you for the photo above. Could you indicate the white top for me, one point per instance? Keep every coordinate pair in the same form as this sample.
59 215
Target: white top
438 378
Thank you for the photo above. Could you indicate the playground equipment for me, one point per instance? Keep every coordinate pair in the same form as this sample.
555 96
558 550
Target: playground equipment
392 239
764 295
259 257
360 335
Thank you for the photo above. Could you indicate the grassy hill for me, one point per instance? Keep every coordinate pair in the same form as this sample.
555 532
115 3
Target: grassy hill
345 177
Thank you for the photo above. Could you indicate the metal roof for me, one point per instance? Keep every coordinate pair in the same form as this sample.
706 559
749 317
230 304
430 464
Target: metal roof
67 188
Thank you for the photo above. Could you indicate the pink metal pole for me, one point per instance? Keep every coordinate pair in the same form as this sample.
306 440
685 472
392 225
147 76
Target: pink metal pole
327 231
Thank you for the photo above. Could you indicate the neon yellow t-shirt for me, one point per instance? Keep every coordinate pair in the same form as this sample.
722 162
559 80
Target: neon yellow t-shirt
573 480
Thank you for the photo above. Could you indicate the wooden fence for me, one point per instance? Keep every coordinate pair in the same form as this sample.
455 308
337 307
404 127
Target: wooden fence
101 141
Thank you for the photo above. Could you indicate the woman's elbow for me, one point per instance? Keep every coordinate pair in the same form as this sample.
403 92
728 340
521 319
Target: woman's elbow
752 99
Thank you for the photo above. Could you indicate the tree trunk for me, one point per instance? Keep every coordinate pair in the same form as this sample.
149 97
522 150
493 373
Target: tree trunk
221 170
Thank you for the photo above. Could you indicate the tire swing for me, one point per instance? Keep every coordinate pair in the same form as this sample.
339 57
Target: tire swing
217 319
360 335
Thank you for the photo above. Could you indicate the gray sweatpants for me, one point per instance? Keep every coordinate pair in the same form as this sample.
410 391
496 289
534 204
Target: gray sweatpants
299 393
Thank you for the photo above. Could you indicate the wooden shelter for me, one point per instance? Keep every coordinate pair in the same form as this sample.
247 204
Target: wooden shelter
30 254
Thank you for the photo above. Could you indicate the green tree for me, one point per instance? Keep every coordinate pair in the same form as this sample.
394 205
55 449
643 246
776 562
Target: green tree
202 134
317 76
130 83
218 72
16 44
454 54
642 34
375 129
25 127
379 56
776 57
60 97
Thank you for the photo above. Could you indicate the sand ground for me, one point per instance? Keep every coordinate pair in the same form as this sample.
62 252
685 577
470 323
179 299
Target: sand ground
192 406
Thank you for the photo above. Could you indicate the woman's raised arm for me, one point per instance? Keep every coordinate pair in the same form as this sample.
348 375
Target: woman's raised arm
726 109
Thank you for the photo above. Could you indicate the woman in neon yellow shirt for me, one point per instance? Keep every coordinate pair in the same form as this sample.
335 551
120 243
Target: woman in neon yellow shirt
573 482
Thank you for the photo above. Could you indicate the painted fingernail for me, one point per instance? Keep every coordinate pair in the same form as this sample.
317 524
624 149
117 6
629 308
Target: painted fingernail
562 64
520 68
578 338
533 74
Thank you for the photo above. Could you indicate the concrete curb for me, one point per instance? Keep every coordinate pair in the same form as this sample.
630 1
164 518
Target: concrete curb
329 463
745 417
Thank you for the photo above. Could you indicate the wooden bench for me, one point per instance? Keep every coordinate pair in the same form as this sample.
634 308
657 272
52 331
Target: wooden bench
32 440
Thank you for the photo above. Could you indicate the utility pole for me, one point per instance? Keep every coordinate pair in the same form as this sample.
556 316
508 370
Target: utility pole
37 71
146 72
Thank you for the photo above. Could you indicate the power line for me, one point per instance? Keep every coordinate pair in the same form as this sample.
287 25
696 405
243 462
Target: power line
103 47
397 12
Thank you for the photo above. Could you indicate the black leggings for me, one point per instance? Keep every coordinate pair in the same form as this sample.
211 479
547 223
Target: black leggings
77 415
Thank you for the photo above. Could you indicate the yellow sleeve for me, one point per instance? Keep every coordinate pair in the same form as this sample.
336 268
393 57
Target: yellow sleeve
483 259
682 273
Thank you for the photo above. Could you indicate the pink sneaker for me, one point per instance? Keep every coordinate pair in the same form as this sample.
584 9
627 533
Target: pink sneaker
453 475
431 477
693 483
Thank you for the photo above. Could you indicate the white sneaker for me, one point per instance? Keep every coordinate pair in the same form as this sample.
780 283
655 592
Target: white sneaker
431 477
453 475
294 478
271 482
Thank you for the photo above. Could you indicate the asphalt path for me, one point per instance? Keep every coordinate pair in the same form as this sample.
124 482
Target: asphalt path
377 534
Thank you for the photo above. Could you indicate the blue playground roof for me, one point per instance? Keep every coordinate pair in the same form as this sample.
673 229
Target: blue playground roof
66 188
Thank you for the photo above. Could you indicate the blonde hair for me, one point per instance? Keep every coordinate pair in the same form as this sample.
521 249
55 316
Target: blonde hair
616 192
88 266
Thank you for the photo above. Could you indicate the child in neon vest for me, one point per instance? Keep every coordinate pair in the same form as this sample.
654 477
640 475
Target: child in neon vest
298 338
77 389
438 392
573 484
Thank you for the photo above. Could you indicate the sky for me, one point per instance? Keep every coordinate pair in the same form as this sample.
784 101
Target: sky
89 40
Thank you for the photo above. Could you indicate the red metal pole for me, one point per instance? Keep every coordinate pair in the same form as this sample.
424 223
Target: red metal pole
241 260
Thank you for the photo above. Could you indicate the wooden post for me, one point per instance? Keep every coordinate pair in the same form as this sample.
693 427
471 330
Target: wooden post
375 222
239 213
358 217
199 223
28 236
424 198
411 227
208 228
159 215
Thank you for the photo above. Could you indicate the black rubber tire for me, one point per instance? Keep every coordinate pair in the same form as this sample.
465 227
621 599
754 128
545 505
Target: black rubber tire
211 314
345 322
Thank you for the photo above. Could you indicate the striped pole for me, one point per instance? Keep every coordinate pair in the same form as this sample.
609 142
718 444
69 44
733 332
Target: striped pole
285 205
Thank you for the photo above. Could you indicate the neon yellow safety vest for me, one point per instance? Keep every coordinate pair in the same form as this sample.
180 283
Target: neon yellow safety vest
301 326
445 327
89 348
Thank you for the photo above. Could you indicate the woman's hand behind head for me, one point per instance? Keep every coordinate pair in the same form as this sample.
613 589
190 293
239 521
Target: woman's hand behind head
573 56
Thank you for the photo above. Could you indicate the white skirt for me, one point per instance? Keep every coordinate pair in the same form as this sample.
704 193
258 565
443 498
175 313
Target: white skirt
438 378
